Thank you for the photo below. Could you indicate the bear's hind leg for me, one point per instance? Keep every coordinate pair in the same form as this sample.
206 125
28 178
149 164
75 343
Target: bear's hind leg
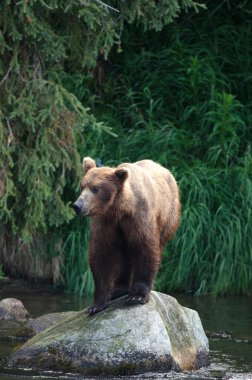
119 292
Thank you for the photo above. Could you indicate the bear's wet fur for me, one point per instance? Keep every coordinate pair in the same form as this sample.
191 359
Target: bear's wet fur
135 210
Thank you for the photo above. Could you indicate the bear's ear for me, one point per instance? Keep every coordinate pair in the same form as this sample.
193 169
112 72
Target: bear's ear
121 174
88 163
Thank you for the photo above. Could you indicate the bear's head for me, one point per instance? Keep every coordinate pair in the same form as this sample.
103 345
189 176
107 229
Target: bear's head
99 188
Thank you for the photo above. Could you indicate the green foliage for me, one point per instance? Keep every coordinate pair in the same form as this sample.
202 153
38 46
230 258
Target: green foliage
40 121
42 118
181 98
42 158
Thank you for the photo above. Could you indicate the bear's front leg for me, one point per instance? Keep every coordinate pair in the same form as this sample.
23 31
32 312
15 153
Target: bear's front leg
101 300
103 260
103 280
145 265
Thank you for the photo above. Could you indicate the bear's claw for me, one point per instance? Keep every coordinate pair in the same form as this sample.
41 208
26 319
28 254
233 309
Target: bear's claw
137 300
94 309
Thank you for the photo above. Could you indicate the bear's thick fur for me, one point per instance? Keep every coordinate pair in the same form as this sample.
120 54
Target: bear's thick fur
134 210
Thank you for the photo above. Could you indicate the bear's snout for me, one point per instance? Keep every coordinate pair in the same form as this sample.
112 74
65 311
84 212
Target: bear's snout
81 207
77 207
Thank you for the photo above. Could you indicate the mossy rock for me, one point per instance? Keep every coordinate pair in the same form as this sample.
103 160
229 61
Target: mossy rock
158 336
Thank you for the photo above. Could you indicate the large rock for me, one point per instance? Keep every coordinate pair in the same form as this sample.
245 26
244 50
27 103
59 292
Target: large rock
160 335
12 309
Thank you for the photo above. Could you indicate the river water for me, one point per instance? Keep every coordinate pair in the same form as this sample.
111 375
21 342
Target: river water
226 320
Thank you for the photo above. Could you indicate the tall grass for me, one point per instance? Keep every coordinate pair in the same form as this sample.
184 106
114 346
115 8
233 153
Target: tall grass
212 252
185 103
77 272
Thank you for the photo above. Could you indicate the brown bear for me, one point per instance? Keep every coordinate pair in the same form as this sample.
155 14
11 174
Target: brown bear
134 210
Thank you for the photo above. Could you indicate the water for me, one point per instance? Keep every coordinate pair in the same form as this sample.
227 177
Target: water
226 320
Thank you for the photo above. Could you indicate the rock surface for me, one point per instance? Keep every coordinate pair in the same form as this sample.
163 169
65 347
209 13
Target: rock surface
12 309
48 320
158 336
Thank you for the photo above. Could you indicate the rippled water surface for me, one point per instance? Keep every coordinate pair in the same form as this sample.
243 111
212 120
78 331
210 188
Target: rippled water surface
226 320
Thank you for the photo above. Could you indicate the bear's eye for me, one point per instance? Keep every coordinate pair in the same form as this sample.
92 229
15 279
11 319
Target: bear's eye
94 189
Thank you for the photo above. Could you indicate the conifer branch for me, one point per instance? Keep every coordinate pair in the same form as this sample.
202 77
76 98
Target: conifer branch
11 136
106 6
6 76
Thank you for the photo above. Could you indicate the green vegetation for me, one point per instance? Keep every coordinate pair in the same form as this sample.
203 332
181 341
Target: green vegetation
42 123
189 112
180 96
